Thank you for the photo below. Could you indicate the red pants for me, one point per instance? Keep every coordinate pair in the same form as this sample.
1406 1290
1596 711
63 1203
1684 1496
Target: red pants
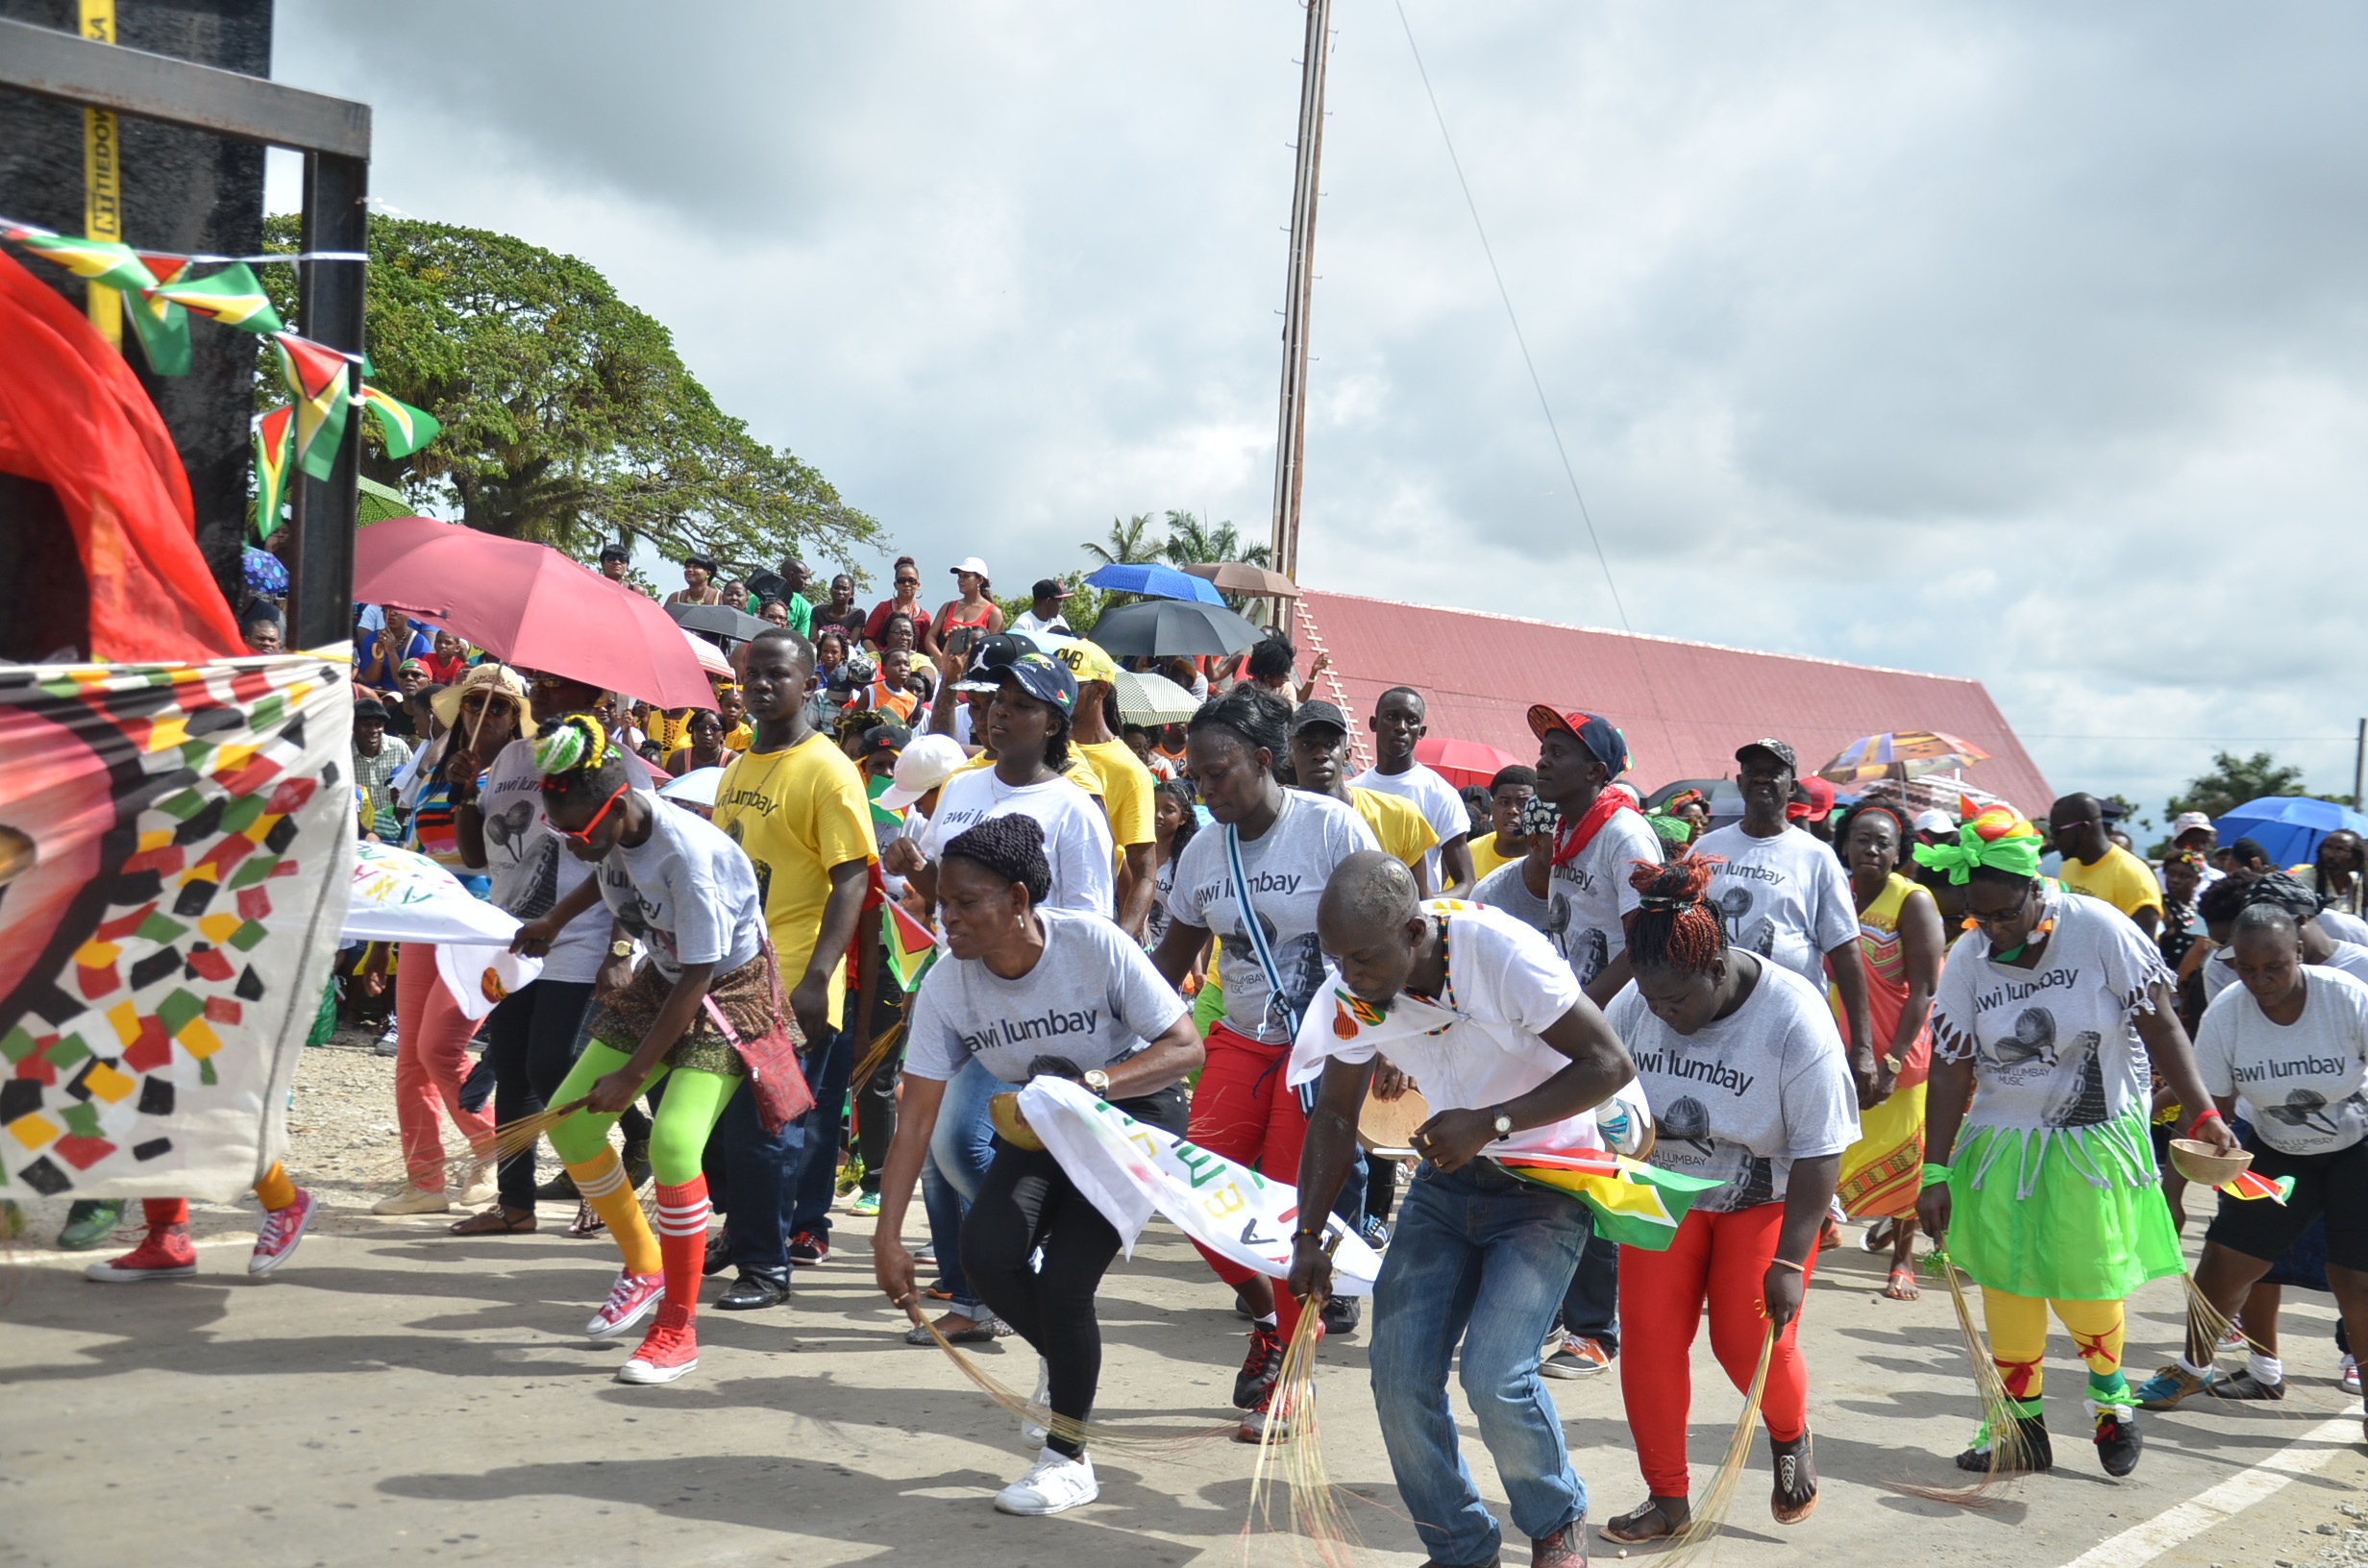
1721 1258
1243 1111
431 1058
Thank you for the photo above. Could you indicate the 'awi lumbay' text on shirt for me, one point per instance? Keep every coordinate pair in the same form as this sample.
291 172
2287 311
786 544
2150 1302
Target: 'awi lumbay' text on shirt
1092 998
2303 1080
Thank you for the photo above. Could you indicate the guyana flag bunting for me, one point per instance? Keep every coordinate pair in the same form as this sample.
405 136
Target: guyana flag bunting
1635 1204
2247 1185
232 297
273 434
316 382
911 948
162 326
102 262
405 428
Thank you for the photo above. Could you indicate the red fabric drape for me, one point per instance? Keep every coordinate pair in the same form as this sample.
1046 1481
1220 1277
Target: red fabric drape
73 417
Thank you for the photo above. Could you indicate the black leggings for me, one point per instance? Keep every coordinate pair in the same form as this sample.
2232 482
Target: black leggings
531 1042
876 1101
1023 1203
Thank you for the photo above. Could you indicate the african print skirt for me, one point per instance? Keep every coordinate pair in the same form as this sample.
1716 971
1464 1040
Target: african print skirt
1882 1172
744 997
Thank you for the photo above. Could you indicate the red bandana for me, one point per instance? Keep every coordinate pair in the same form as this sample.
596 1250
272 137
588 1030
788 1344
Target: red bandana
1571 839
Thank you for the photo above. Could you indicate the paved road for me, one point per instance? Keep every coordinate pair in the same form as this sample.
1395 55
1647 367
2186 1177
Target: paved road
397 1393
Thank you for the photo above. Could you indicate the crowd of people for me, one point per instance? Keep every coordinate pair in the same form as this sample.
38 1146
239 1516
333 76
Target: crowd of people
1969 1026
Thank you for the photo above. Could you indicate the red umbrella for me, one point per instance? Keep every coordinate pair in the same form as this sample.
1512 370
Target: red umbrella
528 606
1464 761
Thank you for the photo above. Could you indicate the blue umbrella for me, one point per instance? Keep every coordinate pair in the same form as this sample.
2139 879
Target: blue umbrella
1158 582
2288 827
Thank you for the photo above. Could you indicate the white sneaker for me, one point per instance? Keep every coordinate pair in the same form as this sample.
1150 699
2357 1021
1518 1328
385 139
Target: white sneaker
479 1190
1028 1429
1056 1485
412 1200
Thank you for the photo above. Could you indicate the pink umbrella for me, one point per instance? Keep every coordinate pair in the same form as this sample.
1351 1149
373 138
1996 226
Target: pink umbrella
528 606
1464 761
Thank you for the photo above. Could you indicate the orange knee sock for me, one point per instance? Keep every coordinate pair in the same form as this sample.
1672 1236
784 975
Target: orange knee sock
600 1180
275 1190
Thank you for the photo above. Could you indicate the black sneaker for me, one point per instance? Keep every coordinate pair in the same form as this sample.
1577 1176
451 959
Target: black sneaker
719 1253
2245 1385
2117 1437
561 1189
1341 1314
1260 1367
2029 1451
755 1289
806 1249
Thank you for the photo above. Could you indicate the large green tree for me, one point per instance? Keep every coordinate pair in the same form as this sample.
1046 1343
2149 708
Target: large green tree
1192 542
2234 780
568 417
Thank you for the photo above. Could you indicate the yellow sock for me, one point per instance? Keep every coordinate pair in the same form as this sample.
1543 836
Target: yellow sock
275 1189
600 1180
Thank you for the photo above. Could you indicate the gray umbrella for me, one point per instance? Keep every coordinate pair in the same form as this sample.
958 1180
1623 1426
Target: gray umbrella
1164 627
718 620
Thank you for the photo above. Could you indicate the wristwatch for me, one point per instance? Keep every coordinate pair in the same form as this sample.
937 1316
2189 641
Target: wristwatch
1504 1124
622 947
1099 1082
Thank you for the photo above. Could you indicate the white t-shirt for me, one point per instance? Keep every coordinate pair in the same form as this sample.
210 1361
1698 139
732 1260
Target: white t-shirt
1504 888
1433 797
1784 897
2304 1079
530 870
1743 1097
1163 888
688 893
1092 998
2343 927
2220 969
1288 865
2052 1046
1507 984
1077 843
1588 895
1026 624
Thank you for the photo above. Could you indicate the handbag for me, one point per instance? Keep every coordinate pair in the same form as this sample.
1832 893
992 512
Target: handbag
1276 998
782 1094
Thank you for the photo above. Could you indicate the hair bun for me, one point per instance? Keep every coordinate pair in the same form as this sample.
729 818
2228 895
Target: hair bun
576 741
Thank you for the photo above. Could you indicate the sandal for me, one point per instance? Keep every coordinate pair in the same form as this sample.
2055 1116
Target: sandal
1902 1287
497 1221
1794 1497
1659 1519
587 1221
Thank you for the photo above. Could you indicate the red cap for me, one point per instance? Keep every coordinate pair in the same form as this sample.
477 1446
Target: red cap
1820 803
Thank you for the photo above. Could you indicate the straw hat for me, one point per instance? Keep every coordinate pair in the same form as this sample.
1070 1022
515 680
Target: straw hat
502 681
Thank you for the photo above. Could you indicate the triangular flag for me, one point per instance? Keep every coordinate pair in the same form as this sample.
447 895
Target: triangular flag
232 297
272 451
102 261
911 948
405 428
162 326
316 377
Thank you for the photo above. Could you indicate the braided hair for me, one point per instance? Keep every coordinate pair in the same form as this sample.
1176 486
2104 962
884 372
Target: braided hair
1676 928
578 760
1253 715
1011 849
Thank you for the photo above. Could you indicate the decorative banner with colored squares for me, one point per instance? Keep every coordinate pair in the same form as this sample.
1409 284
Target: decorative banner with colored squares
175 844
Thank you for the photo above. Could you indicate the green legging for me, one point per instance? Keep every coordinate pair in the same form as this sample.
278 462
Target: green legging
678 1133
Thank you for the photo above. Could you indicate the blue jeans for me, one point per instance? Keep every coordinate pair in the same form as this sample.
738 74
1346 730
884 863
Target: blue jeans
1480 1257
816 1183
1591 1307
961 1147
751 1180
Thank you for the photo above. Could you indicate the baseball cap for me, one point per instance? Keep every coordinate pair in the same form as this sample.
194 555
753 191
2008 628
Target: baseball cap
1935 821
989 655
1774 747
409 665
613 553
1087 661
1317 713
2187 821
1051 588
888 738
925 764
1045 678
1600 736
972 565
1820 802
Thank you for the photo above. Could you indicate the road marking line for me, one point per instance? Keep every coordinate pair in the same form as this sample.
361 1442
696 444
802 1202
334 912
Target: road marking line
2218 1505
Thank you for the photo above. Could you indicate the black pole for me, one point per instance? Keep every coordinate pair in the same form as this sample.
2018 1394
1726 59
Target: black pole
329 311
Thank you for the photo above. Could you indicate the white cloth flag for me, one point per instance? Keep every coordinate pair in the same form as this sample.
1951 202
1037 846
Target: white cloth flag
1127 1170
402 897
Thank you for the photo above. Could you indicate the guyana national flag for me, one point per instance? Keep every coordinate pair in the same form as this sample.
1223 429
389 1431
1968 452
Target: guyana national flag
232 297
1634 1204
2246 1184
106 262
405 428
315 376
274 437
161 327
911 948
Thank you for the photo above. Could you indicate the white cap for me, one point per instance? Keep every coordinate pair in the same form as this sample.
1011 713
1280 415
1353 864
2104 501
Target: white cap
972 565
695 787
2187 821
1933 821
922 766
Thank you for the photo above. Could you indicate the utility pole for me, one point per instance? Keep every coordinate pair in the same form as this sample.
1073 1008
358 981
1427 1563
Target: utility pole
2359 765
1299 287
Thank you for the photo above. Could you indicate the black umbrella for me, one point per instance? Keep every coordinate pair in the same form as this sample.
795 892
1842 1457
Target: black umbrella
1164 627
718 620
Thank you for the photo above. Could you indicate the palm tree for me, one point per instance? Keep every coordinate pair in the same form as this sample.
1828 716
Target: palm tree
1127 546
1194 543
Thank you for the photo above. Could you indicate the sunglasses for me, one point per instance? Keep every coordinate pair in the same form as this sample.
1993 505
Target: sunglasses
584 836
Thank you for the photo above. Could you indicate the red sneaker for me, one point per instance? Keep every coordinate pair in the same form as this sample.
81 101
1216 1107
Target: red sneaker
165 1255
628 1304
276 1239
669 1351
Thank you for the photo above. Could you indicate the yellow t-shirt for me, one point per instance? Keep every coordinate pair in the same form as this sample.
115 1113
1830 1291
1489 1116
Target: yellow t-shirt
798 813
740 736
1127 790
1485 858
1398 825
2120 878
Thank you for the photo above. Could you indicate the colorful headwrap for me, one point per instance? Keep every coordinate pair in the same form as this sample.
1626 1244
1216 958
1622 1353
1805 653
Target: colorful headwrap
1673 829
1683 799
1993 837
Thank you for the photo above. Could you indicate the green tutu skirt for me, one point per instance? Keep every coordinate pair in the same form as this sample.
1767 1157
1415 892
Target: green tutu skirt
2063 1214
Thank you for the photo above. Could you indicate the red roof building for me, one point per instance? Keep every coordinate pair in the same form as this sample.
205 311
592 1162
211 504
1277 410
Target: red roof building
1684 706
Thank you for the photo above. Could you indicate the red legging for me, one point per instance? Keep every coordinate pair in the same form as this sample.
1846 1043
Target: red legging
1242 1109
1723 1257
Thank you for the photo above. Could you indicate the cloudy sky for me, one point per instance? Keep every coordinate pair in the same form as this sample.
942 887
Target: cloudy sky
2020 342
